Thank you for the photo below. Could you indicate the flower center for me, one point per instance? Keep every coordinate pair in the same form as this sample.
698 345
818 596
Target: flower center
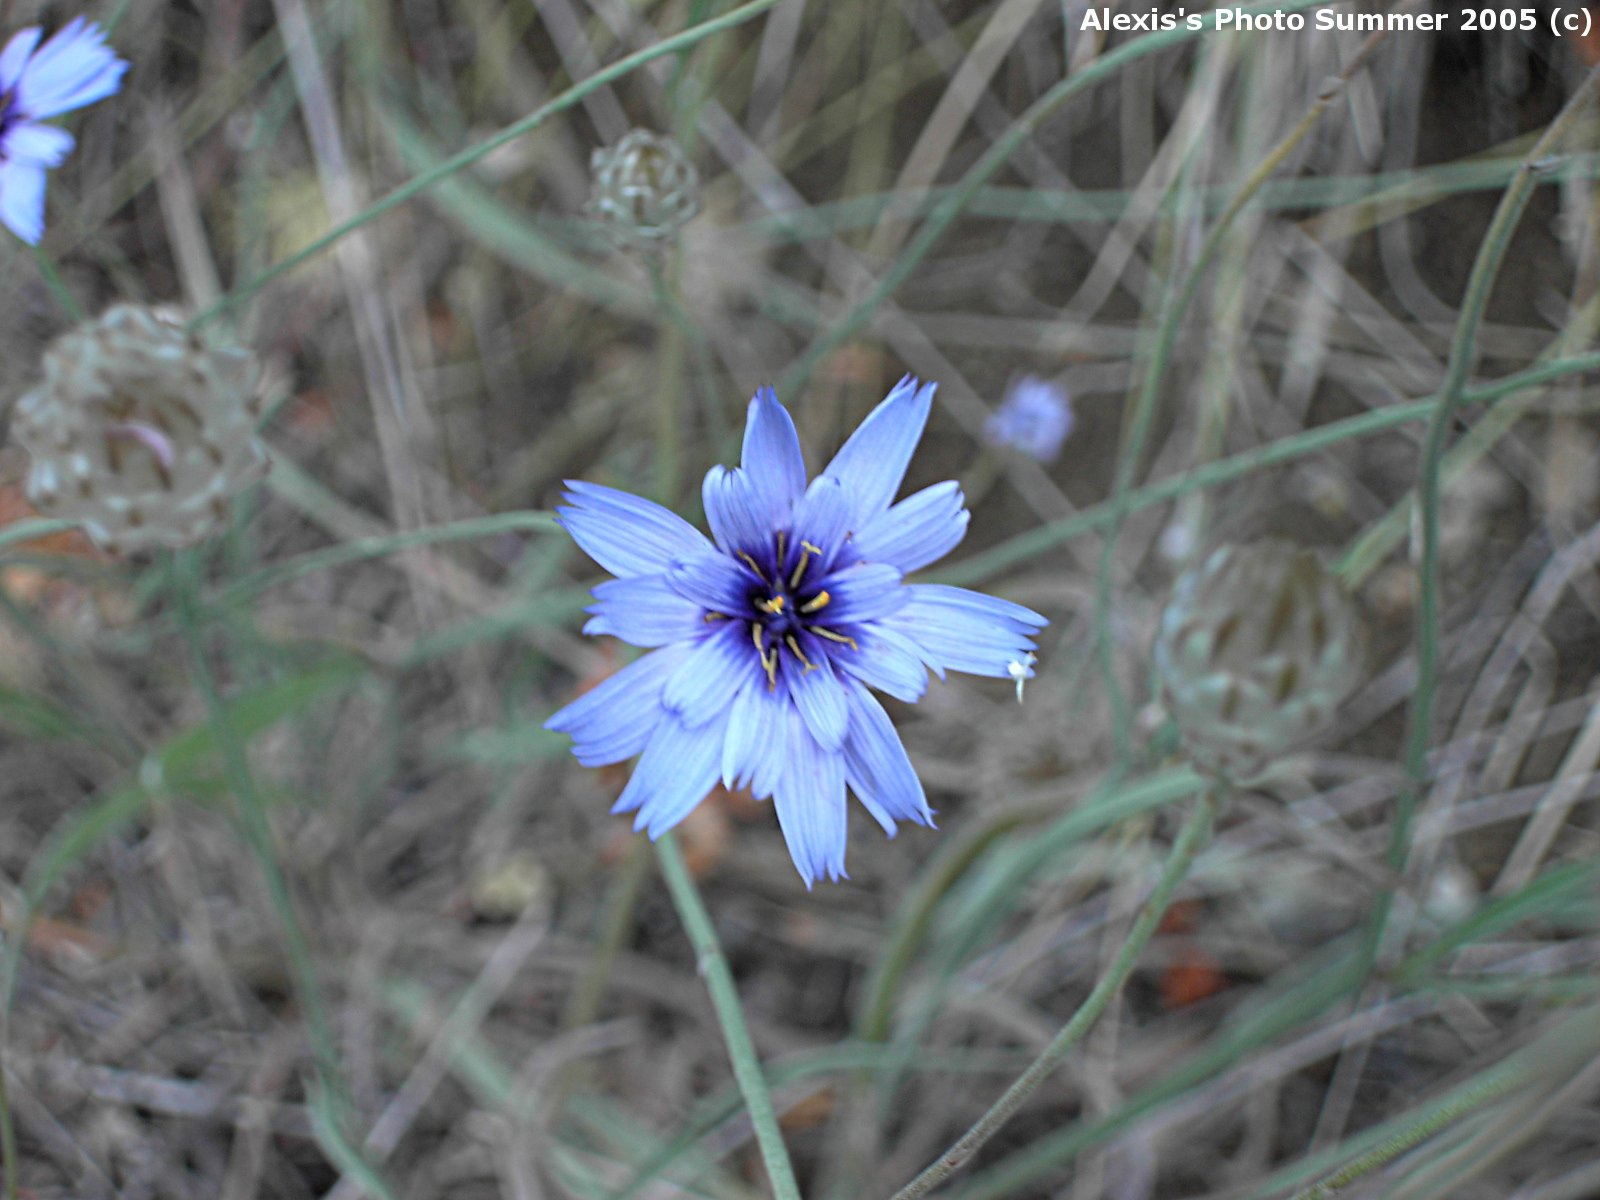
784 608
8 118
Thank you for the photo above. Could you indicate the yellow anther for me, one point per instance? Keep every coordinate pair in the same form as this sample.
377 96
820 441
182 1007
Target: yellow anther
774 605
783 545
820 600
769 658
751 563
806 551
714 616
798 653
833 637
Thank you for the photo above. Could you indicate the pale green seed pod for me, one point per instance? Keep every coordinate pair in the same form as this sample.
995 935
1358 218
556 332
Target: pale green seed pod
1257 648
644 188
140 432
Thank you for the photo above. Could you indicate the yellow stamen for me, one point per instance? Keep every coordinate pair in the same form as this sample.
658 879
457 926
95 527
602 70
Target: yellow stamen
833 637
714 616
806 551
798 653
774 605
783 544
820 600
751 563
769 658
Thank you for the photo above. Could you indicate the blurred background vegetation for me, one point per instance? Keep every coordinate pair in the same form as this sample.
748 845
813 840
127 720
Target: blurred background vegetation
299 899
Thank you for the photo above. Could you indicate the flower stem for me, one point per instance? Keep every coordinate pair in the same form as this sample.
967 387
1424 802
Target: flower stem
57 285
251 819
669 384
8 1140
1463 355
1190 839
725 999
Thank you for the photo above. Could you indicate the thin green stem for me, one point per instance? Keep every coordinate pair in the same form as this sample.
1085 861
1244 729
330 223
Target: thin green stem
57 285
1026 545
1450 398
725 1000
949 866
999 153
1142 415
669 388
1418 1128
33 530
251 811
8 1140
459 162
1190 839
362 549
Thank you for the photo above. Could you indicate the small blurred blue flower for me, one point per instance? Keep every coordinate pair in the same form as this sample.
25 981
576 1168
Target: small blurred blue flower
765 641
72 69
1035 417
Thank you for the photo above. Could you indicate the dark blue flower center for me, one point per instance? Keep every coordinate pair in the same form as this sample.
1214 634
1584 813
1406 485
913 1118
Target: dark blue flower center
8 117
786 607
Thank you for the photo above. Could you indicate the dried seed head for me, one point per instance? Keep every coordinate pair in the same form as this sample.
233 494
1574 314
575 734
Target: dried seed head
140 432
1257 647
644 188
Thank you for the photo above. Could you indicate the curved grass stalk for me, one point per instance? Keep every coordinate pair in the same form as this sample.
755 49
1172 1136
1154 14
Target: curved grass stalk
959 196
32 530
1463 353
461 161
1007 554
1189 841
362 549
251 812
1142 415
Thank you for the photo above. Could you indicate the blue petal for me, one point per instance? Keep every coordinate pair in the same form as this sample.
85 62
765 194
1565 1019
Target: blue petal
612 722
677 769
919 530
960 630
16 54
876 765
713 581
627 535
819 700
887 661
643 610
736 515
811 806
22 200
768 760
772 453
864 592
72 69
822 518
873 461
755 718
38 145
712 675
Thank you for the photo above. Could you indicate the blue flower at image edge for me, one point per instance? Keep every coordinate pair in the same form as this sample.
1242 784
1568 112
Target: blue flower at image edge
766 638
72 69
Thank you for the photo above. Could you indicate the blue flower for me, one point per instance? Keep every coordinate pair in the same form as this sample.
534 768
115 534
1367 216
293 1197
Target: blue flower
1035 417
72 69
766 638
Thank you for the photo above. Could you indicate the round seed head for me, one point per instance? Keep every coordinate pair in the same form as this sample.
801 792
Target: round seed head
140 432
644 188
1257 648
